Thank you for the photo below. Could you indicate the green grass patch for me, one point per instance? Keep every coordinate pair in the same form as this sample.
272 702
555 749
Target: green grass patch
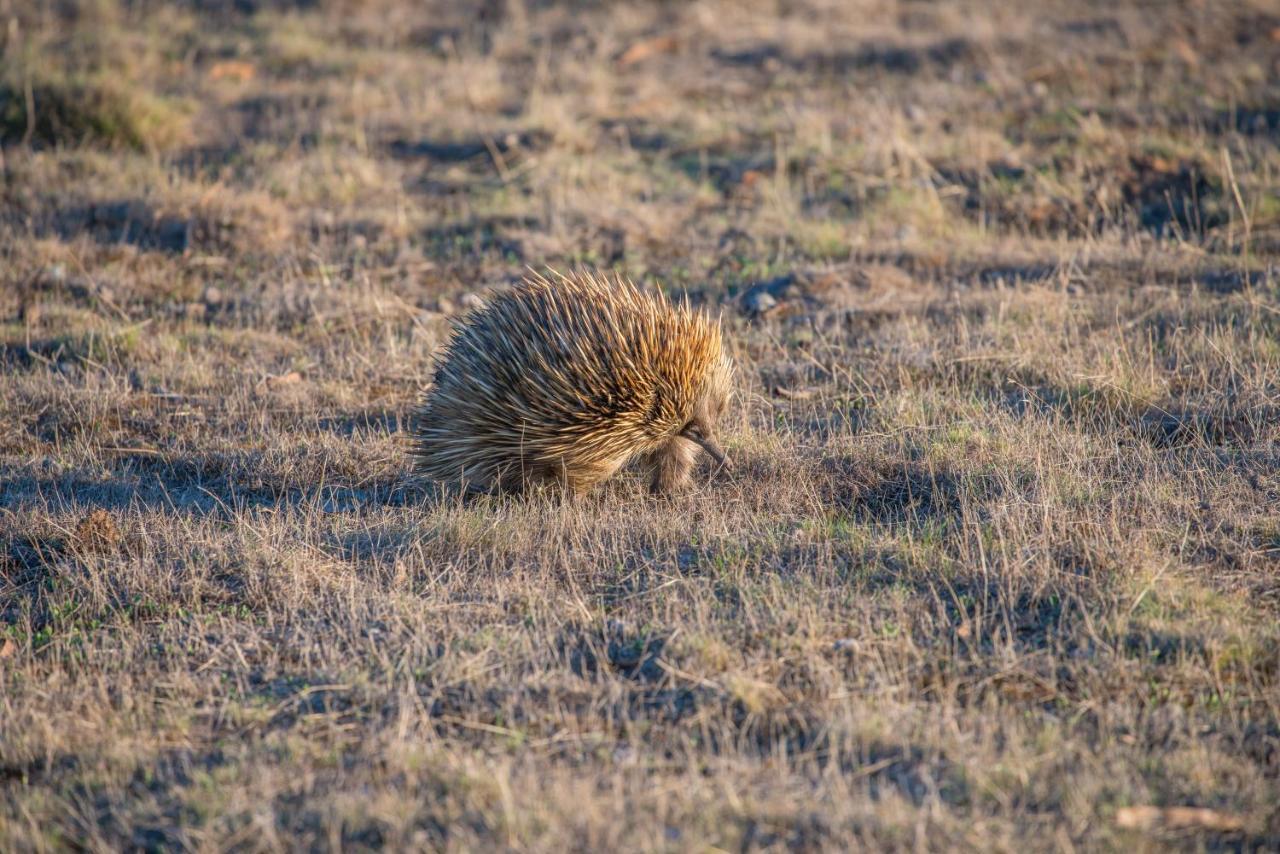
52 109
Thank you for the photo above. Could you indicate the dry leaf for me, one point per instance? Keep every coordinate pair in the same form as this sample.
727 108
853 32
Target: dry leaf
795 394
642 50
232 69
1186 53
271 383
8 648
1147 817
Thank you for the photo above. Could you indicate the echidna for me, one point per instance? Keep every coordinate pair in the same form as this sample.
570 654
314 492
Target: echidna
564 379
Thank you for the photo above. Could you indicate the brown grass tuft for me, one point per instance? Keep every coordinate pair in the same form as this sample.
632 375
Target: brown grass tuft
78 110
97 532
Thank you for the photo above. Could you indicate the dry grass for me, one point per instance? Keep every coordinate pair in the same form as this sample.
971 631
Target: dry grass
997 567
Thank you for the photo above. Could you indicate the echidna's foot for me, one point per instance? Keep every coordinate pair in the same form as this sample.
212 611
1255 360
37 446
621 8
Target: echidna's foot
582 479
571 480
672 465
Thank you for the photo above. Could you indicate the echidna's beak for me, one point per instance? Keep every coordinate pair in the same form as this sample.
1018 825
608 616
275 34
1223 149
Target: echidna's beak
717 453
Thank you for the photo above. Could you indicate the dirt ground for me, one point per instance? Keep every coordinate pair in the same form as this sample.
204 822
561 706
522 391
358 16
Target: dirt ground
997 567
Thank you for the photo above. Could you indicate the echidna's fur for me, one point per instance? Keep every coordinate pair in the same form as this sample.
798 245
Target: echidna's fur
563 379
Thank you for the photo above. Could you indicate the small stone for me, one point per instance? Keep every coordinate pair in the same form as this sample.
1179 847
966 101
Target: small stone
212 295
471 301
758 301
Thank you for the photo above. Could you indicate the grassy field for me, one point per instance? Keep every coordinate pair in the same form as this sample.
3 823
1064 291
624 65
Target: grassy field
997 567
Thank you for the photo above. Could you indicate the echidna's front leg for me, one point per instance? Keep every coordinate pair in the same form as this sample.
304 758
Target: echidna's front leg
575 477
672 464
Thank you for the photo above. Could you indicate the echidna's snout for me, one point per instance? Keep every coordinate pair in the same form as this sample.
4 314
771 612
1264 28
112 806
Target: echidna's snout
707 412
695 433
717 453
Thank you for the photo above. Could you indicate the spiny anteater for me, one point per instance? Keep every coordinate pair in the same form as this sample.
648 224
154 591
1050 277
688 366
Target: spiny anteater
563 379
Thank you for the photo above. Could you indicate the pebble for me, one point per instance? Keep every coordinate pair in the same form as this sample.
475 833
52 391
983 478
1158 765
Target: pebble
758 301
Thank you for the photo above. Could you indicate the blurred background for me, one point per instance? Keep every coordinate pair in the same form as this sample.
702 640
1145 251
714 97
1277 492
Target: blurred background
438 145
